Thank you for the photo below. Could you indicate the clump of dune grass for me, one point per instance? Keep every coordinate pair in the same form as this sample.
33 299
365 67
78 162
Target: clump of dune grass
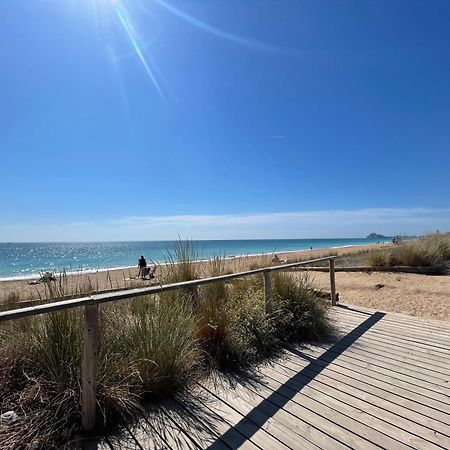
40 359
148 347
161 345
430 251
181 266
300 316
250 334
380 259
210 309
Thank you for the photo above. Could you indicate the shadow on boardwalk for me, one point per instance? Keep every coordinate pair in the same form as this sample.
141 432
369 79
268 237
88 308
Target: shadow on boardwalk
200 418
272 403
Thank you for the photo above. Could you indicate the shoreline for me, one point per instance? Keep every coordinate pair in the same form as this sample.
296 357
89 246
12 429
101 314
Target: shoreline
81 272
13 291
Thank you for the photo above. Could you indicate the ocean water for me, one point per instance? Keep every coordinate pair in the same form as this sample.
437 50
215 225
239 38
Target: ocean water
27 260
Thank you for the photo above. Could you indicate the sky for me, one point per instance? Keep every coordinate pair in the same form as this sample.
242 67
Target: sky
149 119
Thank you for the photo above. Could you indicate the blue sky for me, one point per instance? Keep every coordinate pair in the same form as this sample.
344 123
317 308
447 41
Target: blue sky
144 119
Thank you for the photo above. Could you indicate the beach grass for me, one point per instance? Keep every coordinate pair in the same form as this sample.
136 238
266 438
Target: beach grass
432 251
149 347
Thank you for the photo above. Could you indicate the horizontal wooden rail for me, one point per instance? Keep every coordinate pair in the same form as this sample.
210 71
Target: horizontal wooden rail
91 323
403 269
138 292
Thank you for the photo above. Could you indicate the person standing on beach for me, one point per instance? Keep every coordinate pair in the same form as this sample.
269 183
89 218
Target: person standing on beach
142 263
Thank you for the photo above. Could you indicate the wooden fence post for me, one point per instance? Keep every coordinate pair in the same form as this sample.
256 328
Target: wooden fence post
268 292
89 367
332 283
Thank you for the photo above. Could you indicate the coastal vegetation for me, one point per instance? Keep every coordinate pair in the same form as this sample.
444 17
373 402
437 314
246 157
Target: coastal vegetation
431 251
149 348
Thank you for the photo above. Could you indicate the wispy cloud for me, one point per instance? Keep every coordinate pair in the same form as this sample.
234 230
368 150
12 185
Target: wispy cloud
278 136
300 224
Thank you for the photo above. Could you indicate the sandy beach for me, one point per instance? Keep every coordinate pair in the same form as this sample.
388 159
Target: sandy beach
22 290
406 293
419 295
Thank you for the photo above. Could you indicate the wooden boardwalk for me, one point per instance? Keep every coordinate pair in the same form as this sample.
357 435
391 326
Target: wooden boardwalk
382 381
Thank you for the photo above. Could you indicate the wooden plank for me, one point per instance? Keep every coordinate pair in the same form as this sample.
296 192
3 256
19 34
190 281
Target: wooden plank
280 424
195 430
430 339
370 394
332 282
410 421
346 416
123 439
218 430
416 324
160 429
394 345
397 317
436 348
406 347
384 433
420 360
408 399
298 425
397 269
433 372
436 372
317 415
434 402
426 335
414 384
249 429
89 443
397 370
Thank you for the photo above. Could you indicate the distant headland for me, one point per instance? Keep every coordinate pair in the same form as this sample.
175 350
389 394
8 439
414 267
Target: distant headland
376 236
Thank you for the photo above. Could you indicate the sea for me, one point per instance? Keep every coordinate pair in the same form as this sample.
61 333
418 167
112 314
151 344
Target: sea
29 260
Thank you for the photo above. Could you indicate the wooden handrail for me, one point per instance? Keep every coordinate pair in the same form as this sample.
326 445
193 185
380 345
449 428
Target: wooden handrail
91 323
138 292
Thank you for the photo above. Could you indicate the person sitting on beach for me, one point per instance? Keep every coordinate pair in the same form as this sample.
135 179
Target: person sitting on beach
149 273
47 277
142 263
277 260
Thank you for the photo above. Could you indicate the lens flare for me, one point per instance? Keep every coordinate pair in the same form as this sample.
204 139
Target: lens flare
123 19
258 45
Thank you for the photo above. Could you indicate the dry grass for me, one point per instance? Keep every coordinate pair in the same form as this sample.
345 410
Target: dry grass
149 346
430 251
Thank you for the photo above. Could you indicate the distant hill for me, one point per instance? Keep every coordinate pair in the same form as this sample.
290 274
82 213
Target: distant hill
376 236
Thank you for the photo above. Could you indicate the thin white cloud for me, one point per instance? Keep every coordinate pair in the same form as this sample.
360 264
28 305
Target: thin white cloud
374 215
297 224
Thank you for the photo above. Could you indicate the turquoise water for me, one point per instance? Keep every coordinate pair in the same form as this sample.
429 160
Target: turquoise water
23 260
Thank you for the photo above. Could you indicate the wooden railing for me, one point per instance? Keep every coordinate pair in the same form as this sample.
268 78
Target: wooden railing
91 327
